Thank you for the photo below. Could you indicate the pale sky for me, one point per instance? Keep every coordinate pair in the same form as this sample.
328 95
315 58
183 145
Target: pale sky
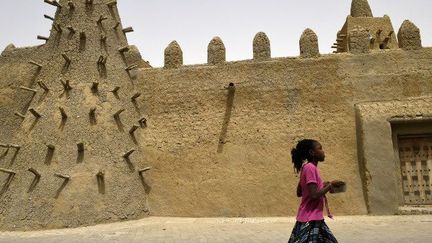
193 23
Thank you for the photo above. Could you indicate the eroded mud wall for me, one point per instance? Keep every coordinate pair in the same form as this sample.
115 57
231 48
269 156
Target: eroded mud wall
216 151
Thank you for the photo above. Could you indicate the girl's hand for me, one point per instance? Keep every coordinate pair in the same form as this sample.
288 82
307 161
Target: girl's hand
328 183
337 183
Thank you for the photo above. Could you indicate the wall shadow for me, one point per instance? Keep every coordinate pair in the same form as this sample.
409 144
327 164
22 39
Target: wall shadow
227 117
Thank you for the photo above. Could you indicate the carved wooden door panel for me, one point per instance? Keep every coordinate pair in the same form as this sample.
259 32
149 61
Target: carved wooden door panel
415 153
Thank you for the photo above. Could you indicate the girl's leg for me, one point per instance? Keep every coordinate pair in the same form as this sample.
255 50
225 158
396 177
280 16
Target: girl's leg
300 233
326 234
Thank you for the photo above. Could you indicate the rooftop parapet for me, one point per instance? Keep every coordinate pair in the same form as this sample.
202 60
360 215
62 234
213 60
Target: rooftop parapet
8 48
360 8
409 36
173 55
309 44
261 47
216 53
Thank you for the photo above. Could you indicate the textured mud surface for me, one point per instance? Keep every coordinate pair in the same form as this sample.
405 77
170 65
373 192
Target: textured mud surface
67 125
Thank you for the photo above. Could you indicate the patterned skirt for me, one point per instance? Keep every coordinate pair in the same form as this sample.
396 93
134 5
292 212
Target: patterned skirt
312 232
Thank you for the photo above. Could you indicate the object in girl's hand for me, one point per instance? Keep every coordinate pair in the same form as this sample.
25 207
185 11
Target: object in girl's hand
338 189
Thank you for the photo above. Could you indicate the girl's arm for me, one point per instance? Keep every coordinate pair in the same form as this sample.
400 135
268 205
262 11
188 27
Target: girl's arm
315 193
299 190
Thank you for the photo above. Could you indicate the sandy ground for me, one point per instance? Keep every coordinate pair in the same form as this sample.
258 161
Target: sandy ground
413 228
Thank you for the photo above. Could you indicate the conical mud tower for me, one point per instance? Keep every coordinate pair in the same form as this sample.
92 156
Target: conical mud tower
75 159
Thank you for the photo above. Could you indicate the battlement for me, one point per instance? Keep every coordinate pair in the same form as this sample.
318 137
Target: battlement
361 34
353 38
378 34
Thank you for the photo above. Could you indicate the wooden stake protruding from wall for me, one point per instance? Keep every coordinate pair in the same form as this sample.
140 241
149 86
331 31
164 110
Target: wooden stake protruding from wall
135 96
103 39
111 3
127 30
63 114
80 147
100 177
92 112
133 129
101 18
71 5
130 68
100 174
141 171
94 87
127 159
102 60
66 58
9 179
71 30
128 153
115 92
92 115
50 153
39 37
116 25
101 64
36 179
117 114
48 17
10 172
43 86
36 64
28 89
83 40
116 89
51 147
123 49
53 3
35 172
58 28
66 85
142 122
15 146
3 145
66 179
19 115
35 113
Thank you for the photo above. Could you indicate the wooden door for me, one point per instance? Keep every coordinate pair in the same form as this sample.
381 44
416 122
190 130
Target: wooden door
415 153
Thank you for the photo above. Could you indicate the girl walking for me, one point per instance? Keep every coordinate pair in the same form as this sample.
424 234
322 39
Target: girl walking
310 225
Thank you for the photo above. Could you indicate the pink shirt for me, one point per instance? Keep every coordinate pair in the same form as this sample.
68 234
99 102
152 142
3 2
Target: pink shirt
310 209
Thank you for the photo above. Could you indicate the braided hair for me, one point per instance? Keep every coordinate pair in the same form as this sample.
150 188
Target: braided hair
301 152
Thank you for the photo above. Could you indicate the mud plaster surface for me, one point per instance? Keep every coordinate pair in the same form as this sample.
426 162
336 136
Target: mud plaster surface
80 202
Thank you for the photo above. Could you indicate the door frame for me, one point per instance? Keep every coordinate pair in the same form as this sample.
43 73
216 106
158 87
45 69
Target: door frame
404 128
379 163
